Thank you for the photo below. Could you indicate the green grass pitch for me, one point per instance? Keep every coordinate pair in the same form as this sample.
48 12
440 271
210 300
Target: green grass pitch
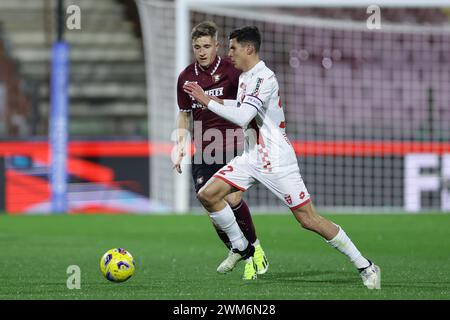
177 257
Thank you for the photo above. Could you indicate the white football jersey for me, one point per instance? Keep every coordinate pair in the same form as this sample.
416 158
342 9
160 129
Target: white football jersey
266 143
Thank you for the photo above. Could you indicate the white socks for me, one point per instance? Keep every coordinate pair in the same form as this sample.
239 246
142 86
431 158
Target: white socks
226 221
343 243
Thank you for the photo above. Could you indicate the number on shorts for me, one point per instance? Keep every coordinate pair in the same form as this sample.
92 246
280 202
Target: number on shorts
228 169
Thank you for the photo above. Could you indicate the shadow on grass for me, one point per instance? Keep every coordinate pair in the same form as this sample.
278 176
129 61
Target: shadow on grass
347 277
311 276
432 285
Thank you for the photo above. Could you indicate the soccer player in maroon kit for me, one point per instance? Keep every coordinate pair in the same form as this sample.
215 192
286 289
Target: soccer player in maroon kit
218 77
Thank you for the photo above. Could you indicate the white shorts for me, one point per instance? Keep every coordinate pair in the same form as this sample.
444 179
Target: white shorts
286 183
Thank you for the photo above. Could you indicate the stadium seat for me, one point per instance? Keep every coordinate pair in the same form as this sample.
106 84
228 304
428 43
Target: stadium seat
107 67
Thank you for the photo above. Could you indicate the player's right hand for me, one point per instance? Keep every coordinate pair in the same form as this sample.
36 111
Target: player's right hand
181 154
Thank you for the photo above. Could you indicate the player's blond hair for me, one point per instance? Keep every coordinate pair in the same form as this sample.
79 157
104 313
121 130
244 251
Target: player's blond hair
205 28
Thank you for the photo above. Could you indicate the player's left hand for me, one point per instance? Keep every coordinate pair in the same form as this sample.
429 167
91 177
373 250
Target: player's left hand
193 89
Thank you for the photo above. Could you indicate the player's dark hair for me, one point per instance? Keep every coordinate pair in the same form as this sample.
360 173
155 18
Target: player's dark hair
247 34
205 28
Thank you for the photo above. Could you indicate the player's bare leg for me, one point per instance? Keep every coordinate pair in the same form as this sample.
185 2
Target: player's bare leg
234 198
212 196
309 219
336 237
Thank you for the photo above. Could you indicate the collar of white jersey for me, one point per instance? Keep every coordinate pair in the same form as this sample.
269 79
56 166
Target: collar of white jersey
257 67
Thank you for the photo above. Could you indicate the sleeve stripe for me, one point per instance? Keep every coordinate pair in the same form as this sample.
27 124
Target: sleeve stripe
250 104
249 95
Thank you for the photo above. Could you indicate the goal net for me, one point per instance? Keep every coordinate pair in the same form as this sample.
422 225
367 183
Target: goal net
367 111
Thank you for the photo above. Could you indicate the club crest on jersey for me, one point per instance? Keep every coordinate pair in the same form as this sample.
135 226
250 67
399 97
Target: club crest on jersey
259 81
288 199
216 77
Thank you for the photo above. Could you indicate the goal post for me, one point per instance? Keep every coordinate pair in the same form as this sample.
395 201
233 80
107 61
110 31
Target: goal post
367 110
162 67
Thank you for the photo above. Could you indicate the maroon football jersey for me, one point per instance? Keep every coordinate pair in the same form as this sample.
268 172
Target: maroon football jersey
221 80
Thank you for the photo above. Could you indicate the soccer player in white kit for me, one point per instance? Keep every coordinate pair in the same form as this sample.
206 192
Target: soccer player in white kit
268 158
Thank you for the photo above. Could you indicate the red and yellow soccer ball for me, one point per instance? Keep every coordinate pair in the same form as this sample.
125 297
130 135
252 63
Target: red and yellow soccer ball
117 265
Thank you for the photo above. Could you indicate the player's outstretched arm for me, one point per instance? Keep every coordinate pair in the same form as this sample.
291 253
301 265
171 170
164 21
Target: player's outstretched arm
241 115
225 102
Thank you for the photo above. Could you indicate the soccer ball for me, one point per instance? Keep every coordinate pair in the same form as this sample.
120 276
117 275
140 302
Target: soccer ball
117 265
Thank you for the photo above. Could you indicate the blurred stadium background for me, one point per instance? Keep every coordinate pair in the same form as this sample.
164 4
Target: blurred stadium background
368 111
